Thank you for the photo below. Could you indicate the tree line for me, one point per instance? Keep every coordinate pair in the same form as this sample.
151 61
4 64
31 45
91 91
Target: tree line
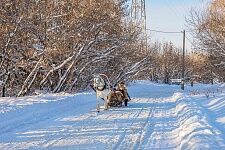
208 27
59 45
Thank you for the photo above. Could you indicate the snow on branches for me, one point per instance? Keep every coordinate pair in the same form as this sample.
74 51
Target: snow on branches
57 45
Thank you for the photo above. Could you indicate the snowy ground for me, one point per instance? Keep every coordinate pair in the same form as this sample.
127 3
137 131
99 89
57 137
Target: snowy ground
158 117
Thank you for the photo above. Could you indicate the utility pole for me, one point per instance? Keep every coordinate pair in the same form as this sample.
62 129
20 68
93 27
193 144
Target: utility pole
183 61
144 28
138 19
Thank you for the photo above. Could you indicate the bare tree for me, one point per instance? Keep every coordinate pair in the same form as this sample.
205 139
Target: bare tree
208 28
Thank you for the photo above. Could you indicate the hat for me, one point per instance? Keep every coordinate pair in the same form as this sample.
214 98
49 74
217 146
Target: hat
121 82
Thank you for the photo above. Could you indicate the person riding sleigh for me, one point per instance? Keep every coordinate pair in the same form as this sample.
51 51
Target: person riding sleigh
122 88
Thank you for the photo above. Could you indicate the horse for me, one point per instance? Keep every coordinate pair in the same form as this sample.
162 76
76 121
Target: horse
103 91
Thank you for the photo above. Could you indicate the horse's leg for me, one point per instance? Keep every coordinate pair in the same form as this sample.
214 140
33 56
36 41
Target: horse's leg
98 103
108 96
106 104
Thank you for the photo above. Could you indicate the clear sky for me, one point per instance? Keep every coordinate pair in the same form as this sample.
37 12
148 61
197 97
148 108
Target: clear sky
169 15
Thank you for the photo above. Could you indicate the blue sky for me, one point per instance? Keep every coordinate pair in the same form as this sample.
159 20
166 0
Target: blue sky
169 15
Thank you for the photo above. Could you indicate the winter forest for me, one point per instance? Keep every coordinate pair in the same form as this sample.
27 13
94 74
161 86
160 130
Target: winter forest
58 45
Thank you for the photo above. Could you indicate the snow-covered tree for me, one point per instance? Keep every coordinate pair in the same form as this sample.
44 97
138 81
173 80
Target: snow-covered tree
58 45
209 28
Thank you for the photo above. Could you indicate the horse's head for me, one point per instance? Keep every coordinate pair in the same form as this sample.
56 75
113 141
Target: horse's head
99 83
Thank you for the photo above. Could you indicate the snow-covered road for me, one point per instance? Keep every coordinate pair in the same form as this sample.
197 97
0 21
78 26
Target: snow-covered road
158 117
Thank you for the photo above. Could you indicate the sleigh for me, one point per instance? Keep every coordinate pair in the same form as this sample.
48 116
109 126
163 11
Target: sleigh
115 99
104 91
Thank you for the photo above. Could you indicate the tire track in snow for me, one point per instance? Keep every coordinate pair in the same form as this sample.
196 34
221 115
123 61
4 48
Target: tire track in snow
162 136
181 125
122 137
122 142
92 115
50 141
145 132
92 119
87 122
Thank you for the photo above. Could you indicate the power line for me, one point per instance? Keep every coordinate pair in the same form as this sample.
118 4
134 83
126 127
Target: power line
189 40
172 8
160 31
176 11
183 5
172 32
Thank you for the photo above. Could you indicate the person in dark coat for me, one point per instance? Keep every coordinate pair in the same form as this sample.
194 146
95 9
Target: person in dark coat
122 88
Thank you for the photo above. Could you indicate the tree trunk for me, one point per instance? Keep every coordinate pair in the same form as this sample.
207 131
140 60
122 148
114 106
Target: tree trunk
33 73
63 78
5 85
3 90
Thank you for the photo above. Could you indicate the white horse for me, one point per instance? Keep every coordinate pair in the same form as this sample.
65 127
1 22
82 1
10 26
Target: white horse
102 90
